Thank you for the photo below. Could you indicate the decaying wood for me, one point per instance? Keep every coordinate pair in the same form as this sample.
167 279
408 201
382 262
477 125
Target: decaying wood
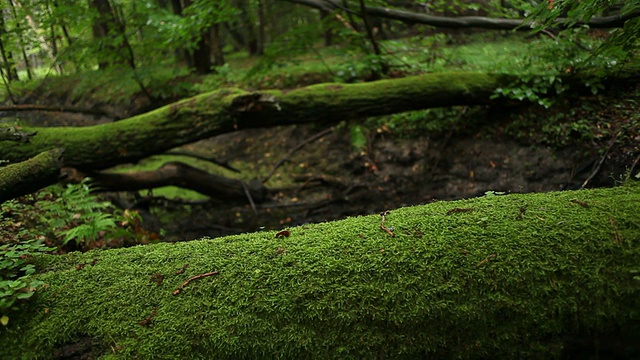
460 22
173 174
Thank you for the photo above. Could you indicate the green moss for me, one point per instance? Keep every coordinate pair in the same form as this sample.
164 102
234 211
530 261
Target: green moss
510 278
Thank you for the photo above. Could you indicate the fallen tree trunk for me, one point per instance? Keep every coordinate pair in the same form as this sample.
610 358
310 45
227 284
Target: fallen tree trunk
461 22
226 110
174 174
93 148
31 175
516 276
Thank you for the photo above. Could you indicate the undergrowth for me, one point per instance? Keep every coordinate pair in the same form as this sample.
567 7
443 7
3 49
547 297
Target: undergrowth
57 219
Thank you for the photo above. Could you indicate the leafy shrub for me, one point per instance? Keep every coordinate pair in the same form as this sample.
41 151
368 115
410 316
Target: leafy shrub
15 271
69 217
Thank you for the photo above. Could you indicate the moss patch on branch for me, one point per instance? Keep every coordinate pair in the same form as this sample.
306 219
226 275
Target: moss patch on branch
505 276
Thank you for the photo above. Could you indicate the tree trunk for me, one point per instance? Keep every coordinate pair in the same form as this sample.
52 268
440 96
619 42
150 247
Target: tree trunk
35 28
7 58
470 21
202 53
20 40
174 174
250 33
226 110
216 45
384 67
31 175
542 276
326 25
104 31
262 24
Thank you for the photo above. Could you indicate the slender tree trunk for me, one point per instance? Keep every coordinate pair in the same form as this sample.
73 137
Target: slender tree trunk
250 34
21 41
104 32
63 25
262 23
7 87
216 45
328 31
7 57
131 59
384 67
237 39
35 27
199 58
181 54
202 53
352 21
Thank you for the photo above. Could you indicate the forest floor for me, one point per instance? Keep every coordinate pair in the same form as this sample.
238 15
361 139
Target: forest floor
586 140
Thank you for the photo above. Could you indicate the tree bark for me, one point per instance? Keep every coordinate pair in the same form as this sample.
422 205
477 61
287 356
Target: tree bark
216 45
614 21
31 175
104 30
226 110
542 276
21 35
175 174
249 29
8 64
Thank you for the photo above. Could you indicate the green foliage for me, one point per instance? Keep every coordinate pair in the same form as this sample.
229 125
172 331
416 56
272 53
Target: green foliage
15 281
359 137
78 216
534 88
67 216
623 43
287 48
57 216
429 121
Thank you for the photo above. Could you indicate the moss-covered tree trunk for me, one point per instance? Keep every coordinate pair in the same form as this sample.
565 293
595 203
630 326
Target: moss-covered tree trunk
30 175
506 277
226 110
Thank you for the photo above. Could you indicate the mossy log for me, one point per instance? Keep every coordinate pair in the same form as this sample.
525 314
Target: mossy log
30 175
226 110
506 277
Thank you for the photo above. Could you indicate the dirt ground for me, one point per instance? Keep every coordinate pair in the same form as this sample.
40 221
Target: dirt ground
332 181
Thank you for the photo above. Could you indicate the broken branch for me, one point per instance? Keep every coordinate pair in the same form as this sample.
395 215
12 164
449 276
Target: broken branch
388 230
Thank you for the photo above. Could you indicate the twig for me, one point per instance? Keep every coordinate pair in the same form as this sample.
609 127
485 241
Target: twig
183 269
492 256
246 192
177 291
599 164
386 212
633 166
298 147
